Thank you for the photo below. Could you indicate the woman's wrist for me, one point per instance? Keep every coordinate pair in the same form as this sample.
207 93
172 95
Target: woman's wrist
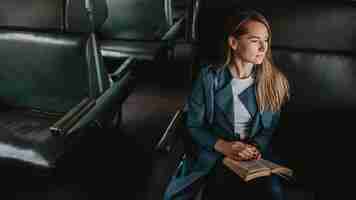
220 145
255 144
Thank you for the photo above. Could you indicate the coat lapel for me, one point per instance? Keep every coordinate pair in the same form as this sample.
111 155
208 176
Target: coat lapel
255 125
223 96
225 100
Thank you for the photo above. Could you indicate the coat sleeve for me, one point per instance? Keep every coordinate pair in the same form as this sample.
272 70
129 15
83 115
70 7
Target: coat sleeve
196 115
269 122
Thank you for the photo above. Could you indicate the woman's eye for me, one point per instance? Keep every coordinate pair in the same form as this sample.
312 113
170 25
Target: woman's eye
254 41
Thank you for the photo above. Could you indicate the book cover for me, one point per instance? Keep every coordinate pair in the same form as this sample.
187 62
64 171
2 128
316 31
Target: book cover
249 170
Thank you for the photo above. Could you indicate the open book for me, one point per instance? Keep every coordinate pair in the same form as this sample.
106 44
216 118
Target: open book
249 170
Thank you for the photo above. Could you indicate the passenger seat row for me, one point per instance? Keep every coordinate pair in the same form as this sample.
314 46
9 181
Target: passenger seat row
53 84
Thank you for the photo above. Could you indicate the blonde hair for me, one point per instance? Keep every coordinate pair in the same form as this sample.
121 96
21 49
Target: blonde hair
272 89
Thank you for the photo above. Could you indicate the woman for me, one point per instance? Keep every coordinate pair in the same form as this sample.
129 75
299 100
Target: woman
232 112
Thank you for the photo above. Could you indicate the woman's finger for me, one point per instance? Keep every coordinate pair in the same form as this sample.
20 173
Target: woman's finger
259 156
251 151
248 152
244 155
238 146
238 158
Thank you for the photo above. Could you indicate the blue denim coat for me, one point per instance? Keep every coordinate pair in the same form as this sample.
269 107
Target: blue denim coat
210 115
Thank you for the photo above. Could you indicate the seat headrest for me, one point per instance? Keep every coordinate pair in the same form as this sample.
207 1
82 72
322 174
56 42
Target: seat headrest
129 19
326 27
323 27
58 15
32 14
77 19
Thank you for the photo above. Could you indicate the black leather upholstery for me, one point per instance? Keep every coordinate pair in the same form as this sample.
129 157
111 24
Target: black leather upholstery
25 138
137 28
138 49
319 81
316 122
31 60
130 19
34 14
47 69
314 26
66 15
326 27
76 18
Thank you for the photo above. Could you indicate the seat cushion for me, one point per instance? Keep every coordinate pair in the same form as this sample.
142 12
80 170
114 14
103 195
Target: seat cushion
42 70
140 49
25 136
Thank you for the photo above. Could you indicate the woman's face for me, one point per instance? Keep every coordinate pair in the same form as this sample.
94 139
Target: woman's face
252 46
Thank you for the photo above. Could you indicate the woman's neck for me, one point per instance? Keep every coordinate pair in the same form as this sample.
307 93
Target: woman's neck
242 69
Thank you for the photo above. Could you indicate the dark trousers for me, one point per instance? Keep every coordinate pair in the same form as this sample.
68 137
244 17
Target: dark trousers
223 183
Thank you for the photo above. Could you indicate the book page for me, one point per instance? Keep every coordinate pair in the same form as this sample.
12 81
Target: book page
277 169
269 164
231 164
252 166
252 169
257 174
247 170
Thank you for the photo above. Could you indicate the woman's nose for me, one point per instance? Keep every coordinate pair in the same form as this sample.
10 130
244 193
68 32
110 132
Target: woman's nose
262 46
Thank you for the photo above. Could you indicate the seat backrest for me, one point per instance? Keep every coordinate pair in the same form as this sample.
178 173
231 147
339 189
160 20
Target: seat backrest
317 54
46 63
314 45
137 19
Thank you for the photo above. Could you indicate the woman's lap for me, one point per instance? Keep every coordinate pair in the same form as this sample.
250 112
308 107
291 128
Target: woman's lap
223 183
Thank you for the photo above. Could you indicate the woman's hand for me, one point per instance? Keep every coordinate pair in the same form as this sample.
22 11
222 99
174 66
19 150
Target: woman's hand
250 152
230 149
237 150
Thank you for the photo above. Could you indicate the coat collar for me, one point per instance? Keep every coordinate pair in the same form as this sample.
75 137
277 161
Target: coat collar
224 96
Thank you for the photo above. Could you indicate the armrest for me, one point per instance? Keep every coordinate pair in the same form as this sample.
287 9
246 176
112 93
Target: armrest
174 29
169 136
123 69
91 110
113 96
70 118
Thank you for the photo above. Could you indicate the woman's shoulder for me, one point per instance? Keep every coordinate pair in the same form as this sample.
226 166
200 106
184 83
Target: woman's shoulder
270 117
210 68
205 68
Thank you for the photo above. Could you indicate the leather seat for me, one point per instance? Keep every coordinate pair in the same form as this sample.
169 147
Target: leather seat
137 49
130 31
53 85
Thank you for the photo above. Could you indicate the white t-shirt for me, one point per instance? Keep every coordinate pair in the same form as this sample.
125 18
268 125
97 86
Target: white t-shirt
242 117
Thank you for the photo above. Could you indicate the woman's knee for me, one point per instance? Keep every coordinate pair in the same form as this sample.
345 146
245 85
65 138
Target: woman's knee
275 187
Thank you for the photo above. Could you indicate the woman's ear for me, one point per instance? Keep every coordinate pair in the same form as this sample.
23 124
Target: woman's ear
233 43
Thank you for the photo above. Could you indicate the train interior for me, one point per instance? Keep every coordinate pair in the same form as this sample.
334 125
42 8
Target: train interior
91 92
